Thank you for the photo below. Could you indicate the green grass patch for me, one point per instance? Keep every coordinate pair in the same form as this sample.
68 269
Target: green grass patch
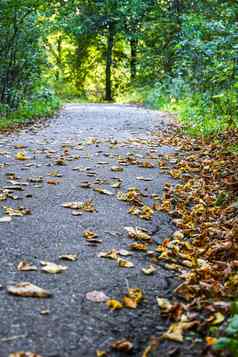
36 109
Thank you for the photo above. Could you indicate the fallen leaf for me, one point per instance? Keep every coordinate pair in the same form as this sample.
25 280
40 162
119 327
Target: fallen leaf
114 304
25 289
26 266
100 353
124 253
21 156
149 271
53 182
123 263
89 235
139 246
211 341
116 168
138 233
141 178
5 219
24 354
175 331
218 318
111 254
18 212
70 257
52 268
133 298
103 191
164 304
97 296
122 345
86 206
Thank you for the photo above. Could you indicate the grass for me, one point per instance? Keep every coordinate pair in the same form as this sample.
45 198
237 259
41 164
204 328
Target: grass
27 111
198 114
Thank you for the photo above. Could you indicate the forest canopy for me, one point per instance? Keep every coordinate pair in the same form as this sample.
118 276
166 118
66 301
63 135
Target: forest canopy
175 53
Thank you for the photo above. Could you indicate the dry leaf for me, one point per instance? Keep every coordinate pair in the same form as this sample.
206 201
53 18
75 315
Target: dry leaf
53 182
25 289
21 156
139 246
122 345
89 235
138 233
17 212
86 206
124 253
111 254
175 331
123 263
5 219
103 191
97 296
149 271
26 266
116 168
114 304
24 354
52 268
164 304
141 178
100 353
133 298
70 257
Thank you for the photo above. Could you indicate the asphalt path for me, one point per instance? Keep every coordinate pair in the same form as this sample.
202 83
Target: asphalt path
82 144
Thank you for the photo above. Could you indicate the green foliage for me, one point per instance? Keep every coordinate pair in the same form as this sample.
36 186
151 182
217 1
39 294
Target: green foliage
41 105
168 54
230 341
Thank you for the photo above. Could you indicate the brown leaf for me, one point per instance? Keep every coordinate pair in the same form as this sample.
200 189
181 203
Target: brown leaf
24 354
122 345
25 289
26 266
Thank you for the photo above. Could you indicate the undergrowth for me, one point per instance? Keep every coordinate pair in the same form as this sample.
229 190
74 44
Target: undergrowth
36 108
200 114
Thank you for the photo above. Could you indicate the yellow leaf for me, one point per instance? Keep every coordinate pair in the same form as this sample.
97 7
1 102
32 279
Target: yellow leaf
139 246
218 318
123 263
89 235
211 340
21 156
149 271
175 331
114 304
164 304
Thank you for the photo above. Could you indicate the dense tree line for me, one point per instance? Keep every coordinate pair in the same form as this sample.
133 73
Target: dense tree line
101 47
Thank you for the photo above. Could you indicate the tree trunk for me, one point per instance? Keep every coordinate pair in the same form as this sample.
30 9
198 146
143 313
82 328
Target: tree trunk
110 42
133 44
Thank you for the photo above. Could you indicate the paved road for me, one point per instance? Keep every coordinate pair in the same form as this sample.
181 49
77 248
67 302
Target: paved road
75 326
